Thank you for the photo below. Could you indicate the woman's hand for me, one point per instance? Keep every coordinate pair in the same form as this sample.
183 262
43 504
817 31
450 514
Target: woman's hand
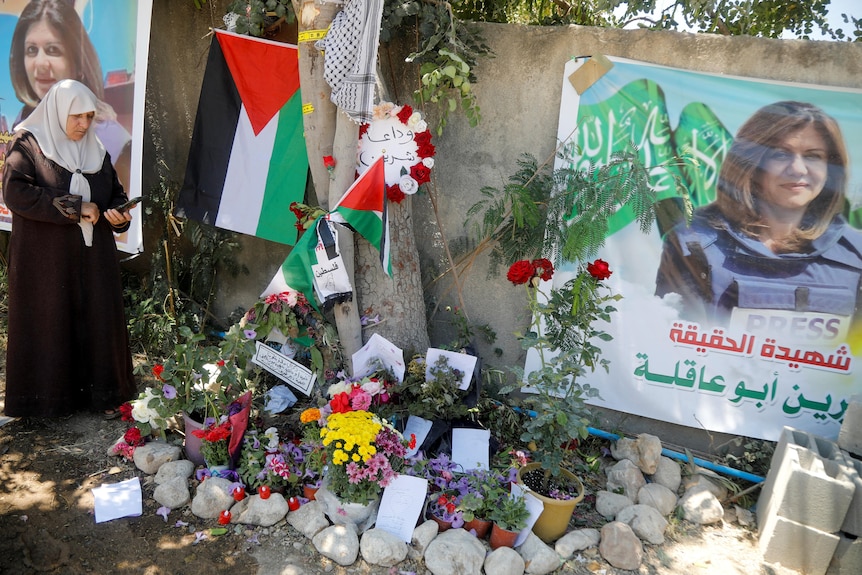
89 212
117 218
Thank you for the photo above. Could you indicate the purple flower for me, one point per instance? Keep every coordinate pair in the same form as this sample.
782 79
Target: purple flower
169 391
250 334
202 474
199 536
234 408
181 524
164 512
209 422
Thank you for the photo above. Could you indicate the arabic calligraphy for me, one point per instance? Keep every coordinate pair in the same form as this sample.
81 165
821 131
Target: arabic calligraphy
690 335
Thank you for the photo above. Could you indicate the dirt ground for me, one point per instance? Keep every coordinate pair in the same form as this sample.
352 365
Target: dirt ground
49 467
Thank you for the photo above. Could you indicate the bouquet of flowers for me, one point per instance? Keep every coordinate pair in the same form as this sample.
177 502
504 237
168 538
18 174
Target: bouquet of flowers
214 441
266 460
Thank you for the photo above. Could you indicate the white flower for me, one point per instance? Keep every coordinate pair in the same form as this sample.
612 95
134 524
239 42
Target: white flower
382 110
372 387
141 410
408 185
420 127
336 388
272 435
428 162
414 120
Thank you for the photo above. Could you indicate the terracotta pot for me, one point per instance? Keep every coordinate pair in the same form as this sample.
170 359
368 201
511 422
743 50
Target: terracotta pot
554 520
481 526
441 525
309 492
192 444
502 537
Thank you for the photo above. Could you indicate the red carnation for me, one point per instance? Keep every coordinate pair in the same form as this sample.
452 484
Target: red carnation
543 268
599 269
420 173
520 272
133 437
405 113
328 163
340 403
395 194
126 412
157 371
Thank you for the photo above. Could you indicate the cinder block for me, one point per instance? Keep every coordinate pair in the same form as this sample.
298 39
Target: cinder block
794 439
850 435
847 559
797 546
853 520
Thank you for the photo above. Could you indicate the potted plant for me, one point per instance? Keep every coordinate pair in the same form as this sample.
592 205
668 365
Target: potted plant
510 516
443 509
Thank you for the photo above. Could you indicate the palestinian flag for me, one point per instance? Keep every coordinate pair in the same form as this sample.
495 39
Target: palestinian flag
247 161
362 208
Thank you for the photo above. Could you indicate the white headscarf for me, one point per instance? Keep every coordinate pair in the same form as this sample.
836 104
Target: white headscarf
48 124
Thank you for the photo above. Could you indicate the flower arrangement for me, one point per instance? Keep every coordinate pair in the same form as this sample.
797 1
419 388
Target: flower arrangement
437 397
399 134
214 441
563 333
364 454
266 460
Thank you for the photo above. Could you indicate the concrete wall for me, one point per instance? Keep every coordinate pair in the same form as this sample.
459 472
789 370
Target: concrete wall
519 95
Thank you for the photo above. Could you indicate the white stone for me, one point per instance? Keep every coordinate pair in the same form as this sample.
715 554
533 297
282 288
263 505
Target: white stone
179 468
668 473
609 504
212 497
574 541
538 557
645 521
309 519
644 451
700 505
380 547
625 475
256 511
504 561
713 485
422 537
150 456
658 496
455 552
339 543
620 546
174 493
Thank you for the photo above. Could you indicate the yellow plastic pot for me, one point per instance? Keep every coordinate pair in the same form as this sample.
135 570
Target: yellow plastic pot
554 520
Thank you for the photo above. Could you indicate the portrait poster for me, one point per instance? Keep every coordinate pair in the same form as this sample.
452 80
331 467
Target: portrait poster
762 365
119 33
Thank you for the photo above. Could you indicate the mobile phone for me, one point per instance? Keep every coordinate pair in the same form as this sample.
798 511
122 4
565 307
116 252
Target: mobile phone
129 205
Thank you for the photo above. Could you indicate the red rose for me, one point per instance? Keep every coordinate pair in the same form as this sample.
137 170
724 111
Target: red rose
544 268
405 113
394 194
340 403
520 272
412 444
422 138
157 371
420 173
133 437
126 412
220 363
328 162
426 150
599 269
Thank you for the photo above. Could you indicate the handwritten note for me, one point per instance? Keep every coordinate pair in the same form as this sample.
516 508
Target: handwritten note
401 505
118 500
379 351
463 362
420 428
470 447
292 373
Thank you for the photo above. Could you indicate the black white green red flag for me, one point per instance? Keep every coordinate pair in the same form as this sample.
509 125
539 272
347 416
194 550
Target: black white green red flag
247 161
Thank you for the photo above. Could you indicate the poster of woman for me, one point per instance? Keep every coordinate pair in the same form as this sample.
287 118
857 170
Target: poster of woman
100 43
744 318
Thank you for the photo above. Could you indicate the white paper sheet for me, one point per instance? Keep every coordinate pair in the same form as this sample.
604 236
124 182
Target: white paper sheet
378 348
401 505
470 447
116 500
534 506
460 361
419 427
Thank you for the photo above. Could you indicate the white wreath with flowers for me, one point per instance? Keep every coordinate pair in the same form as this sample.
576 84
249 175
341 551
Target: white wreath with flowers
401 137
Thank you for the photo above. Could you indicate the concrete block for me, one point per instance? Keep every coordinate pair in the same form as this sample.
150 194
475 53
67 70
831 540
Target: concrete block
850 435
853 520
847 559
794 440
797 546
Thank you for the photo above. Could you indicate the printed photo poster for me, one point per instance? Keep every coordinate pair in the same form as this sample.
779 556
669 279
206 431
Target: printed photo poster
110 57
714 332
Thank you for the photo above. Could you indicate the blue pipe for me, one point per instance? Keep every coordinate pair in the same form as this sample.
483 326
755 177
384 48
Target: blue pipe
683 457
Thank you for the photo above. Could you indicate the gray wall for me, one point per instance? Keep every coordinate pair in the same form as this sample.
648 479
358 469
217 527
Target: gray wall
519 94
